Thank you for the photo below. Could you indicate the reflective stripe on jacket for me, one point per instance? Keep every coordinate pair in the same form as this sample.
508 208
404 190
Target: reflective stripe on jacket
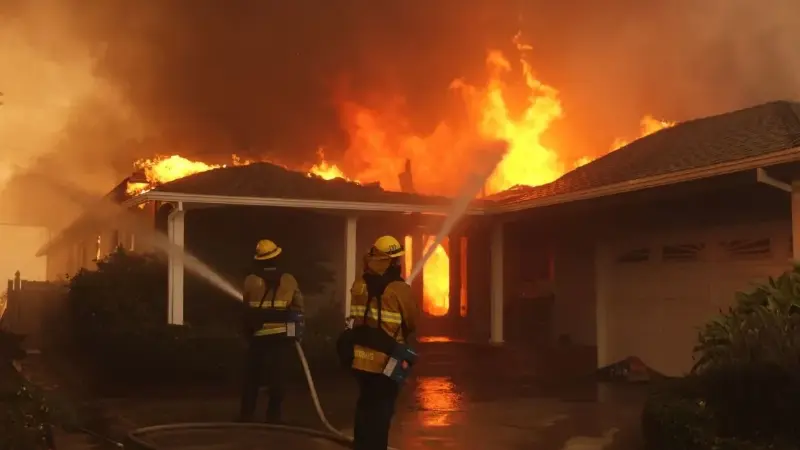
287 297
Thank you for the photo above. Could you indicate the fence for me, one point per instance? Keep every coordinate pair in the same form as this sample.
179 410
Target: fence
29 305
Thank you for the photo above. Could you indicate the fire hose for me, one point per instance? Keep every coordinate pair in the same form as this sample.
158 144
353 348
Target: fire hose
137 438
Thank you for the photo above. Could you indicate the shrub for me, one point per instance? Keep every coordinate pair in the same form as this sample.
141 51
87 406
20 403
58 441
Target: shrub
762 327
678 415
744 390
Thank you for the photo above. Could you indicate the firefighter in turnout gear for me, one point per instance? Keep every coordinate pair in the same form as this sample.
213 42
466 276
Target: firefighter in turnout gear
382 314
270 297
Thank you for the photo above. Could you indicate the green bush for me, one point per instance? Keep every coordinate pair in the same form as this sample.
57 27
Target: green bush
744 390
763 327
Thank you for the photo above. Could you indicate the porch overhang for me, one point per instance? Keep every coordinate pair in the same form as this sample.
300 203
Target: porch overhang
329 205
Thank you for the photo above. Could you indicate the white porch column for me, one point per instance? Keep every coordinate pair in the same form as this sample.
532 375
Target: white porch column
496 261
175 228
350 236
796 220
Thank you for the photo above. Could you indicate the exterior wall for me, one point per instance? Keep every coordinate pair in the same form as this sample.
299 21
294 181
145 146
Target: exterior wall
659 303
580 234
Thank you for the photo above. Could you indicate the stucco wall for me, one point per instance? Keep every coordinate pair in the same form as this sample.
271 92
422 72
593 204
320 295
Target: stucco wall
577 231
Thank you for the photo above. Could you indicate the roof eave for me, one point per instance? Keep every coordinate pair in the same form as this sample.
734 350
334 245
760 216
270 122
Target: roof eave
294 203
784 156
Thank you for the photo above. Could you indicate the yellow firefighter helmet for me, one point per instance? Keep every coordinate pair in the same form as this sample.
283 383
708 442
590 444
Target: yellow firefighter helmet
388 246
266 249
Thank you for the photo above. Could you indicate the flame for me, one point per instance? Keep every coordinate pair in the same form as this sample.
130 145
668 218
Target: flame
163 169
528 161
325 169
382 141
436 280
648 126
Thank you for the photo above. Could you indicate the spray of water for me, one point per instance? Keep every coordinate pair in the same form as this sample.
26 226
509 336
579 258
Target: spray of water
490 154
107 211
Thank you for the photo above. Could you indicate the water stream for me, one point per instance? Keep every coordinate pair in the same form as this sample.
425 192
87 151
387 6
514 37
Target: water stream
490 154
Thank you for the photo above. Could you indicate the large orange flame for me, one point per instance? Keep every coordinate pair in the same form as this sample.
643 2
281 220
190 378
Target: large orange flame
436 280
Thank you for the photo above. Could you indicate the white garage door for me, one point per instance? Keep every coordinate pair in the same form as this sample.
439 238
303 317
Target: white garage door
658 292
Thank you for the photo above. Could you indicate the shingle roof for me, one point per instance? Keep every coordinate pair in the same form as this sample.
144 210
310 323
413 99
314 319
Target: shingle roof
269 180
737 135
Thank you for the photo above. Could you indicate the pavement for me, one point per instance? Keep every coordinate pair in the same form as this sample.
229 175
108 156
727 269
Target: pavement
463 397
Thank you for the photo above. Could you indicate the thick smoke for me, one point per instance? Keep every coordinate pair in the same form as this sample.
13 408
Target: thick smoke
92 85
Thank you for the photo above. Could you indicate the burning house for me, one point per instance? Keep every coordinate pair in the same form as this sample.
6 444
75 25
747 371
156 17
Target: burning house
628 253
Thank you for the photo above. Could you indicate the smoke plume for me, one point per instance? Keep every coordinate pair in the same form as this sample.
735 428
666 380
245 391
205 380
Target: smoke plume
89 86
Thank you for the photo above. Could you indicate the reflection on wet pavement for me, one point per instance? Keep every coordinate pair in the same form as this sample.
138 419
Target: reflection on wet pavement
437 397
437 339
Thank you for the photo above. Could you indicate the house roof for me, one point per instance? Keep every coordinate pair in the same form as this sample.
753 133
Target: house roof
272 181
726 138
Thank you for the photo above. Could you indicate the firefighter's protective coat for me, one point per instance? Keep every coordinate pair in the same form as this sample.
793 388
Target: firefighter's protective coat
258 295
398 311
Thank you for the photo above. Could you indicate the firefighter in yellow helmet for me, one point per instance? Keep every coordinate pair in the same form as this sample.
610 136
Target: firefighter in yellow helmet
270 296
382 314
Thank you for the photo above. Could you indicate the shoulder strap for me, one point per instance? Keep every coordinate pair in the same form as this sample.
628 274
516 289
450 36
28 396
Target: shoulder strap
278 276
377 295
267 286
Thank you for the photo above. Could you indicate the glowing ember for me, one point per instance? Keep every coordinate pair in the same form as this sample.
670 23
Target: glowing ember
649 125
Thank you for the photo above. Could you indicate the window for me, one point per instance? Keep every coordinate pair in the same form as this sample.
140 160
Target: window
739 249
634 256
682 252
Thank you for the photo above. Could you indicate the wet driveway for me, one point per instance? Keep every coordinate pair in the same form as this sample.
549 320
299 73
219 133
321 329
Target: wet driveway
463 396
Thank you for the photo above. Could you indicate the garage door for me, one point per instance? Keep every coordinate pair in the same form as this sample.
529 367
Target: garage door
658 294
